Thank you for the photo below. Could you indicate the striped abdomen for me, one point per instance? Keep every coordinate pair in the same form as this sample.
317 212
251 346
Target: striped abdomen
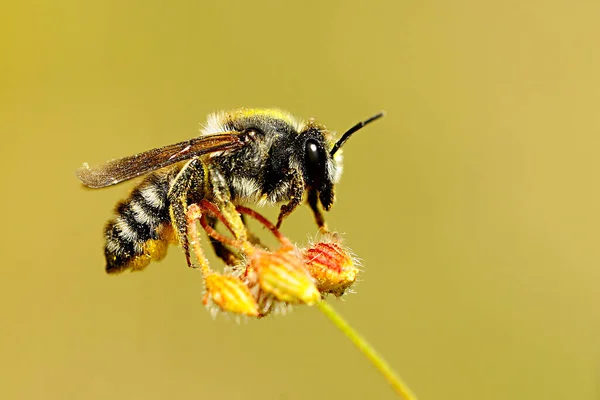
142 231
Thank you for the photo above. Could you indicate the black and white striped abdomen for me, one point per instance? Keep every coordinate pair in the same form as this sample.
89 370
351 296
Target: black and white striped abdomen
141 230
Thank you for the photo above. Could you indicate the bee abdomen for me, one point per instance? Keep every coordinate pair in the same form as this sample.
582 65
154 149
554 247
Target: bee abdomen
141 231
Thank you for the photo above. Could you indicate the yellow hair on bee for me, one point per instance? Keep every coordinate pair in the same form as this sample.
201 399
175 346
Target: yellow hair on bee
216 122
153 250
274 113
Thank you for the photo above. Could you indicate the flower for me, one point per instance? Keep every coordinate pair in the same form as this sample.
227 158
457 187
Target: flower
229 293
265 281
283 275
331 264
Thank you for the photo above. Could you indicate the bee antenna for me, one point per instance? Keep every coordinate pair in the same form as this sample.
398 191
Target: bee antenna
355 128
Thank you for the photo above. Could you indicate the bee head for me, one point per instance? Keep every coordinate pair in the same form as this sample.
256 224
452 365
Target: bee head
321 171
323 162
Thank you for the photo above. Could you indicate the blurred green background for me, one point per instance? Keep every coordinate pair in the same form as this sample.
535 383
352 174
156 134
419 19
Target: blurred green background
474 204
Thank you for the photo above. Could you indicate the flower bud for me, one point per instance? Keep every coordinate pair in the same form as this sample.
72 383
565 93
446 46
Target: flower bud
283 275
230 294
331 265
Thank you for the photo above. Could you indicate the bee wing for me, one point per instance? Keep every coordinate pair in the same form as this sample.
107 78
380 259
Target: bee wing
116 171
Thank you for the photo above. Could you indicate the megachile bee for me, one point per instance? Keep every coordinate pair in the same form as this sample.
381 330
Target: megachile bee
261 156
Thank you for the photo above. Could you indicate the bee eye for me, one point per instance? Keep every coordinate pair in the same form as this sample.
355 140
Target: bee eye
315 163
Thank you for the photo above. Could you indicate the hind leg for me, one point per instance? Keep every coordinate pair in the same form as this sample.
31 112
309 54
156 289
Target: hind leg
189 184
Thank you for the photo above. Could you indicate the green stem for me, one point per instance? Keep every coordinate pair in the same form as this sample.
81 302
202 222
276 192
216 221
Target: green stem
400 387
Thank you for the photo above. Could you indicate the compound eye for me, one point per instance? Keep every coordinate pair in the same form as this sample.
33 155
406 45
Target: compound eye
315 159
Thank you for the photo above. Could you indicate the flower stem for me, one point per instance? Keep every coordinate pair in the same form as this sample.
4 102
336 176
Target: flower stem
400 387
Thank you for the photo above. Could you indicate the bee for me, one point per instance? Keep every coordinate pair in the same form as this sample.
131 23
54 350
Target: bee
259 156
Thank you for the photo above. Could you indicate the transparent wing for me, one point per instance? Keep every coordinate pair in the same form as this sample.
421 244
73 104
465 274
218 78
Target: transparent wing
116 171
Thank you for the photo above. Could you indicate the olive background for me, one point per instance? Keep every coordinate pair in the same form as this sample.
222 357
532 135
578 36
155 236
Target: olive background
474 204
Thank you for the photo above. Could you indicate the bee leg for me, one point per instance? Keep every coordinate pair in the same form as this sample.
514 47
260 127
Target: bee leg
255 240
222 251
222 198
297 190
191 175
313 197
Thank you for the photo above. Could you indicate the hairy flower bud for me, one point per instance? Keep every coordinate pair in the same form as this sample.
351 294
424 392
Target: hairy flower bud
230 294
331 265
283 275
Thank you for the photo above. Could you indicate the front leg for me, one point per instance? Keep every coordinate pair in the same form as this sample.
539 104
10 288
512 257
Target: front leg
297 191
313 202
191 180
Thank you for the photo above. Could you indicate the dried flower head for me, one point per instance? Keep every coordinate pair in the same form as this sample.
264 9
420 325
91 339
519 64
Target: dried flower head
265 281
